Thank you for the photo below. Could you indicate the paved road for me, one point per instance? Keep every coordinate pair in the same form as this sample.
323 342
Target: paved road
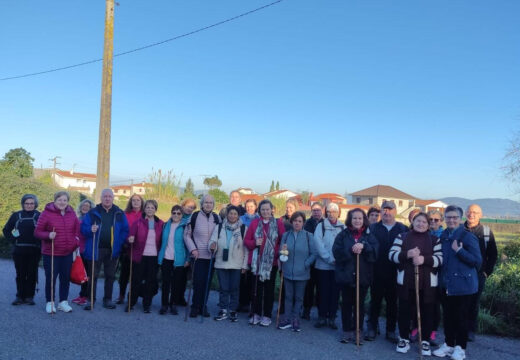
29 333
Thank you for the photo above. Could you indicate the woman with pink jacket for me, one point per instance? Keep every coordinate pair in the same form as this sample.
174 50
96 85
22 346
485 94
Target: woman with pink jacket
58 229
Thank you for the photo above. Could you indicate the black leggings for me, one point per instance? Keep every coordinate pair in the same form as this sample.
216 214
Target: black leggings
455 316
26 265
408 311
264 299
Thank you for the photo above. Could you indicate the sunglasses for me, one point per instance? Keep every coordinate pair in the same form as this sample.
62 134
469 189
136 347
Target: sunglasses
176 213
435 220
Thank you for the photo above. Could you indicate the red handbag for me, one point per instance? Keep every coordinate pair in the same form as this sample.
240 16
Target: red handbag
78 275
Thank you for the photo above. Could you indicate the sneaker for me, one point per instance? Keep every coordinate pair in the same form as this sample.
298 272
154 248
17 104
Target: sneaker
345 338
88 306
64 306
82 301
306 314
18 301
255 319
458 353
108 304
433 338
233 316
30 301
173 310
222 315
284 324
403 346
332 324
265 321
443 350
163 310
322 322
77 300
296 325
50 308
413 335
425 348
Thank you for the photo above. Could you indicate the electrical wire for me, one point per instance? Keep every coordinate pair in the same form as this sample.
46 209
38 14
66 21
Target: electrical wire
145 46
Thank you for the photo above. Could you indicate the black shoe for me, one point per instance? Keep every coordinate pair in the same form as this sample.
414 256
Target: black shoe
233 316
30 301
88 306
127 310
163 310
108 304
371 334
120 300
173 310
17 301
390 336
147 310
194 312
322 322
332 324
471 336
206 313
306 314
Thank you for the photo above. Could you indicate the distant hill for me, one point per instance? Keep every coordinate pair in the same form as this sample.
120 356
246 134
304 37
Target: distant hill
490 207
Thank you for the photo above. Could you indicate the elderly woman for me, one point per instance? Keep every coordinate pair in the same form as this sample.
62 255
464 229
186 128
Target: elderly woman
58 228
145 238
174 260
83 209
296 268
353 243
416 250
373 214
435 219
133 212
19 230
263 241
227 242
291 206
324 236
459 280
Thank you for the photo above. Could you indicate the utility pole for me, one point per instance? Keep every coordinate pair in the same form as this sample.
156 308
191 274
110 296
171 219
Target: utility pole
55 163
103 161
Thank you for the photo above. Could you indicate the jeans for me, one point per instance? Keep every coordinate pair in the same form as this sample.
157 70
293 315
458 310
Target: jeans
200 282
62 266
229 280
109 270
294 291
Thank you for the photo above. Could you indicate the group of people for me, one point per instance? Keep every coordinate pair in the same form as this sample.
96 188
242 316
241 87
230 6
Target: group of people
414 269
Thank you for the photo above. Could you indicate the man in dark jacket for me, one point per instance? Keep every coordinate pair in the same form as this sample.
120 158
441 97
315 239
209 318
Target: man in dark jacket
385 273
488 250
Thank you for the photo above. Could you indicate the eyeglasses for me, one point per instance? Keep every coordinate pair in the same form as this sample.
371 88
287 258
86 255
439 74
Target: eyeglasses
28 203
435 220
176 213
452 217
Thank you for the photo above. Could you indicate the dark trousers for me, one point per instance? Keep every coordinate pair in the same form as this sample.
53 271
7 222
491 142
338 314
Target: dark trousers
408 311
84 287
329 294
246 283
124 274
26 265
455 317
294 291
62 266
229 281
474 304
348 307
264 299
200 282
109 270
173 283
386 289
144 280
312 294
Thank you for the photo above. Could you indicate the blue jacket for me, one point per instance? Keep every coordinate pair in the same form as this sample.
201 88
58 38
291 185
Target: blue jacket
119 235
181 253
302 255
459 269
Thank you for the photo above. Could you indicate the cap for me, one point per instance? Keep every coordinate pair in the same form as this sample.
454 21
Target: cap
388 205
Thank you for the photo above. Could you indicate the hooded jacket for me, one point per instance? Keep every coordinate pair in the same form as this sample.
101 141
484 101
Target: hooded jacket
325 259
181 255
66 227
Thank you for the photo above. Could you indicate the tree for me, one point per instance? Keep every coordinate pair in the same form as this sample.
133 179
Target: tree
220 196
19 162
213 182
165 187
306 196
272 186
277 185
511 166
189 189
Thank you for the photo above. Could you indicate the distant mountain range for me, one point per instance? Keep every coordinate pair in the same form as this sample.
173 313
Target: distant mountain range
490 207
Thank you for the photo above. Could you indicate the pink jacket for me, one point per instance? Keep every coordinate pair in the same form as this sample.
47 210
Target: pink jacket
250 241
66 227
139 230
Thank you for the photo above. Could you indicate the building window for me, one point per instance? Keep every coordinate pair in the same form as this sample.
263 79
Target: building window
400 202
370 201
358 200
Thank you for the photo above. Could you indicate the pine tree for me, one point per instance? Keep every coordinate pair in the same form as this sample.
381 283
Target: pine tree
277 185
272 186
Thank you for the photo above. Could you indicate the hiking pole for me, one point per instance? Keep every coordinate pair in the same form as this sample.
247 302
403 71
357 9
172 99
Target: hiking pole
418 309
52 273
206 292
130 278
357 300
279 298
189 291
92 271
255 293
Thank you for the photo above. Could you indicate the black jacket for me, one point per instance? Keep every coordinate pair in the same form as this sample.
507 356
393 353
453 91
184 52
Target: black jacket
310 225
25 222
489 253
345 271
384 268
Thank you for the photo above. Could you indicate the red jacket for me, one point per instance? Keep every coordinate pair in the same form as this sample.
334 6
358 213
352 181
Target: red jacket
133 216
66 227
139 230
250 241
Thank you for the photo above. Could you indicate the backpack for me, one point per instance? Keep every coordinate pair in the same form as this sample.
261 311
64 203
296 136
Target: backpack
242 230
20 219
308 241
487 232
193 219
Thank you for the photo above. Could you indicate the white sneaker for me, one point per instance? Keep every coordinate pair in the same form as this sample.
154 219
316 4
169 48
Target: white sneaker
458 353
403 346
443 350
265 321
64 306
254 320
50 308
425 348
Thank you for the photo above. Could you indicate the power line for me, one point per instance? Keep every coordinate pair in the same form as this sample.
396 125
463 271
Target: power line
145 46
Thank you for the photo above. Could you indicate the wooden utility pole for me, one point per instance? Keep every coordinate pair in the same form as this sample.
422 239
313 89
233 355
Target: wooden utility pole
103 162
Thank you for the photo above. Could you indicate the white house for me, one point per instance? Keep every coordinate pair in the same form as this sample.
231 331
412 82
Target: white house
71 180
280 194
245 191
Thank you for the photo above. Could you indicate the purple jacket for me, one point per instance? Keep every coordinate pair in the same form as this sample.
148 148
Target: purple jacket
139 230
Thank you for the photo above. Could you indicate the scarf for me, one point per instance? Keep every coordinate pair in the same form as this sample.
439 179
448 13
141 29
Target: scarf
236 237
267 259
356 233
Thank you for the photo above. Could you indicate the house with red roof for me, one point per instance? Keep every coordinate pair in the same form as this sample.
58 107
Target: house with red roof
375 195
71 180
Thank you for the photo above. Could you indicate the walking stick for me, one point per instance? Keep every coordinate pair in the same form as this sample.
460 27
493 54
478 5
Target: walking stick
253 303
130 278
52 274
279 298
206 292
418 309
189 291
357 300
92 271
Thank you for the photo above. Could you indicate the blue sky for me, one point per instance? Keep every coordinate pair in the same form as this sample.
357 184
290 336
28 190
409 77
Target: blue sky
325 96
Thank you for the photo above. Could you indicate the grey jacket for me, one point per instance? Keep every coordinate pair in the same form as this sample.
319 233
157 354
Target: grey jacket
325 260
302 255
